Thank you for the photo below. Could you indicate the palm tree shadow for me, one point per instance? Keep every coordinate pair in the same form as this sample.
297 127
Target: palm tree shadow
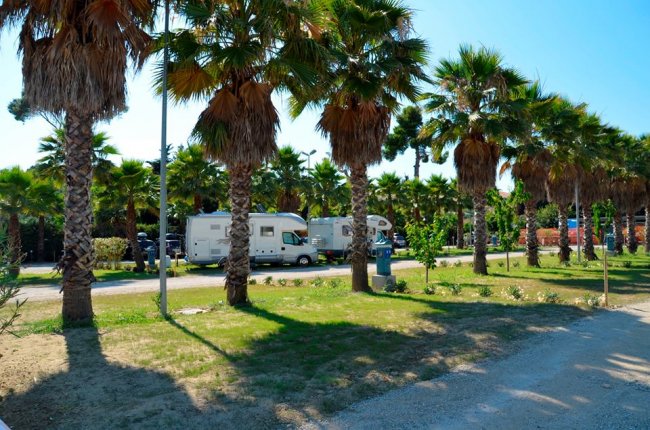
92 392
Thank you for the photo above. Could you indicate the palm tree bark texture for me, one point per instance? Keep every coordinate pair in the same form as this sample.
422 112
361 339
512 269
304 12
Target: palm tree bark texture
619 239
590 253
632 244
647 228
359 247
132 235
79 256
565 248
480 231
238 264
532 246
460 228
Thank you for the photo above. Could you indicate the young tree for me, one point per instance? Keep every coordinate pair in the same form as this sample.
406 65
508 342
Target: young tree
9 287
505 212
44 199
427 241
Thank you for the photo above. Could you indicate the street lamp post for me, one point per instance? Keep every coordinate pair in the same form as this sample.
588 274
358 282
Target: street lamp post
163 174
308 155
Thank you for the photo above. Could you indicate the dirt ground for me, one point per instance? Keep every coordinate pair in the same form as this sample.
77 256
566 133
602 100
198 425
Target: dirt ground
592 374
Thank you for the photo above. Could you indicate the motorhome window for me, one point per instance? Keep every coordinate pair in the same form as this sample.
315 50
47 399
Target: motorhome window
215 227
347 231
382 223
290 239
266 231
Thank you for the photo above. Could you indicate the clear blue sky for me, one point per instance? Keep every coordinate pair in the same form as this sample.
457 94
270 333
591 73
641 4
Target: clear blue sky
593 51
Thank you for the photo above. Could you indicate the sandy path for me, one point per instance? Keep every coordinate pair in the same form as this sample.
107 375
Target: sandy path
593 374
51 292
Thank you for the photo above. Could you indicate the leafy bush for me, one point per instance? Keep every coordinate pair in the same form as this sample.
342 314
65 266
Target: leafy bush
548 296
252 281
318 282
282 282
9 287
297 282
429 290
268 280
627 264
484 291
501 263
514 292
455 289
335 283
458 263
109 251
515 264
444 263
591 300
401 286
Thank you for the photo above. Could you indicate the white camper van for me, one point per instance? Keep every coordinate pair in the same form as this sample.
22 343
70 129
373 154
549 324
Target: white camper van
332 236
273 239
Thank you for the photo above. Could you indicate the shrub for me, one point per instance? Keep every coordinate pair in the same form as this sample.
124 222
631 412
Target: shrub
458 263
268 280
501 263
515 264
548 296
455 289
297 282
514 292
318 282
282 282
109 251
429 290
401 286
627 264
484 291
335 283
591 300
9 288
252 281
444 263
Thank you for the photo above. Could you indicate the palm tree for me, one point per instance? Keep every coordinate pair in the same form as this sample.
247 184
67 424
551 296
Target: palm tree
192 176
52 164
529 160
287 168
44 199
461 201
390 191
474 112
416 195
373 62
406 135
75 56
327 188
14 200
439 195
132 186
236 54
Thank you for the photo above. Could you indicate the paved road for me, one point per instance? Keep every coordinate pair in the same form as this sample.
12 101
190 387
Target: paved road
594 374
51 292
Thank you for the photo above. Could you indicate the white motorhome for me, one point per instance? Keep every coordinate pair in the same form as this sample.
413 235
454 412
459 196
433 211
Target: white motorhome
332 236
273 239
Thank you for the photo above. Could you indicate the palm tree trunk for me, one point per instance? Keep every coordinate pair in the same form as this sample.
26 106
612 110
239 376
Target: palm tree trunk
618 233
632 244
238 264
416 166
40 246
14 245
565 248
590 253
359 246
480 232
460 227
325 209
132 235
647 228
79 256
532 246
198 203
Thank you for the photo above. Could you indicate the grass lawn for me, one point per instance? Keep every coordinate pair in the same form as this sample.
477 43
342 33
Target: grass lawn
297 353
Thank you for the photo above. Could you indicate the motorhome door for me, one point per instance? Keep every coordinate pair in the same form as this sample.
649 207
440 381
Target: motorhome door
267 238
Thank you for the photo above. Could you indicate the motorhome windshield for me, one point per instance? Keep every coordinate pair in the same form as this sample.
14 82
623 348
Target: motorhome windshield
289 238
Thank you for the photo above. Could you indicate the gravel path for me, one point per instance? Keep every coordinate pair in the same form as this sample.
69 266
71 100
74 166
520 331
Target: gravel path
594 374
51 292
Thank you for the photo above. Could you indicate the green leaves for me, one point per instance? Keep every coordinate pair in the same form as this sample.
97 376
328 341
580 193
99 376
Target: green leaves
427 240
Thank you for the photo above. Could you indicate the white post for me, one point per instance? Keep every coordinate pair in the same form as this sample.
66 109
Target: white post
578 219
163 174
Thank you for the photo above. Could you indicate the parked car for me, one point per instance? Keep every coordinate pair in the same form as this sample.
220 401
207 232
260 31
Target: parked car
399 241
173 247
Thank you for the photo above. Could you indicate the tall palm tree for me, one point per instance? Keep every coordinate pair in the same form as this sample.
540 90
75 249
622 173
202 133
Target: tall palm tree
439 195
373 62
191 175
44 199
529 160
474 112
288 170
75 55
14 200
416 196
390 191
327 188
235 54
132 186
52 163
